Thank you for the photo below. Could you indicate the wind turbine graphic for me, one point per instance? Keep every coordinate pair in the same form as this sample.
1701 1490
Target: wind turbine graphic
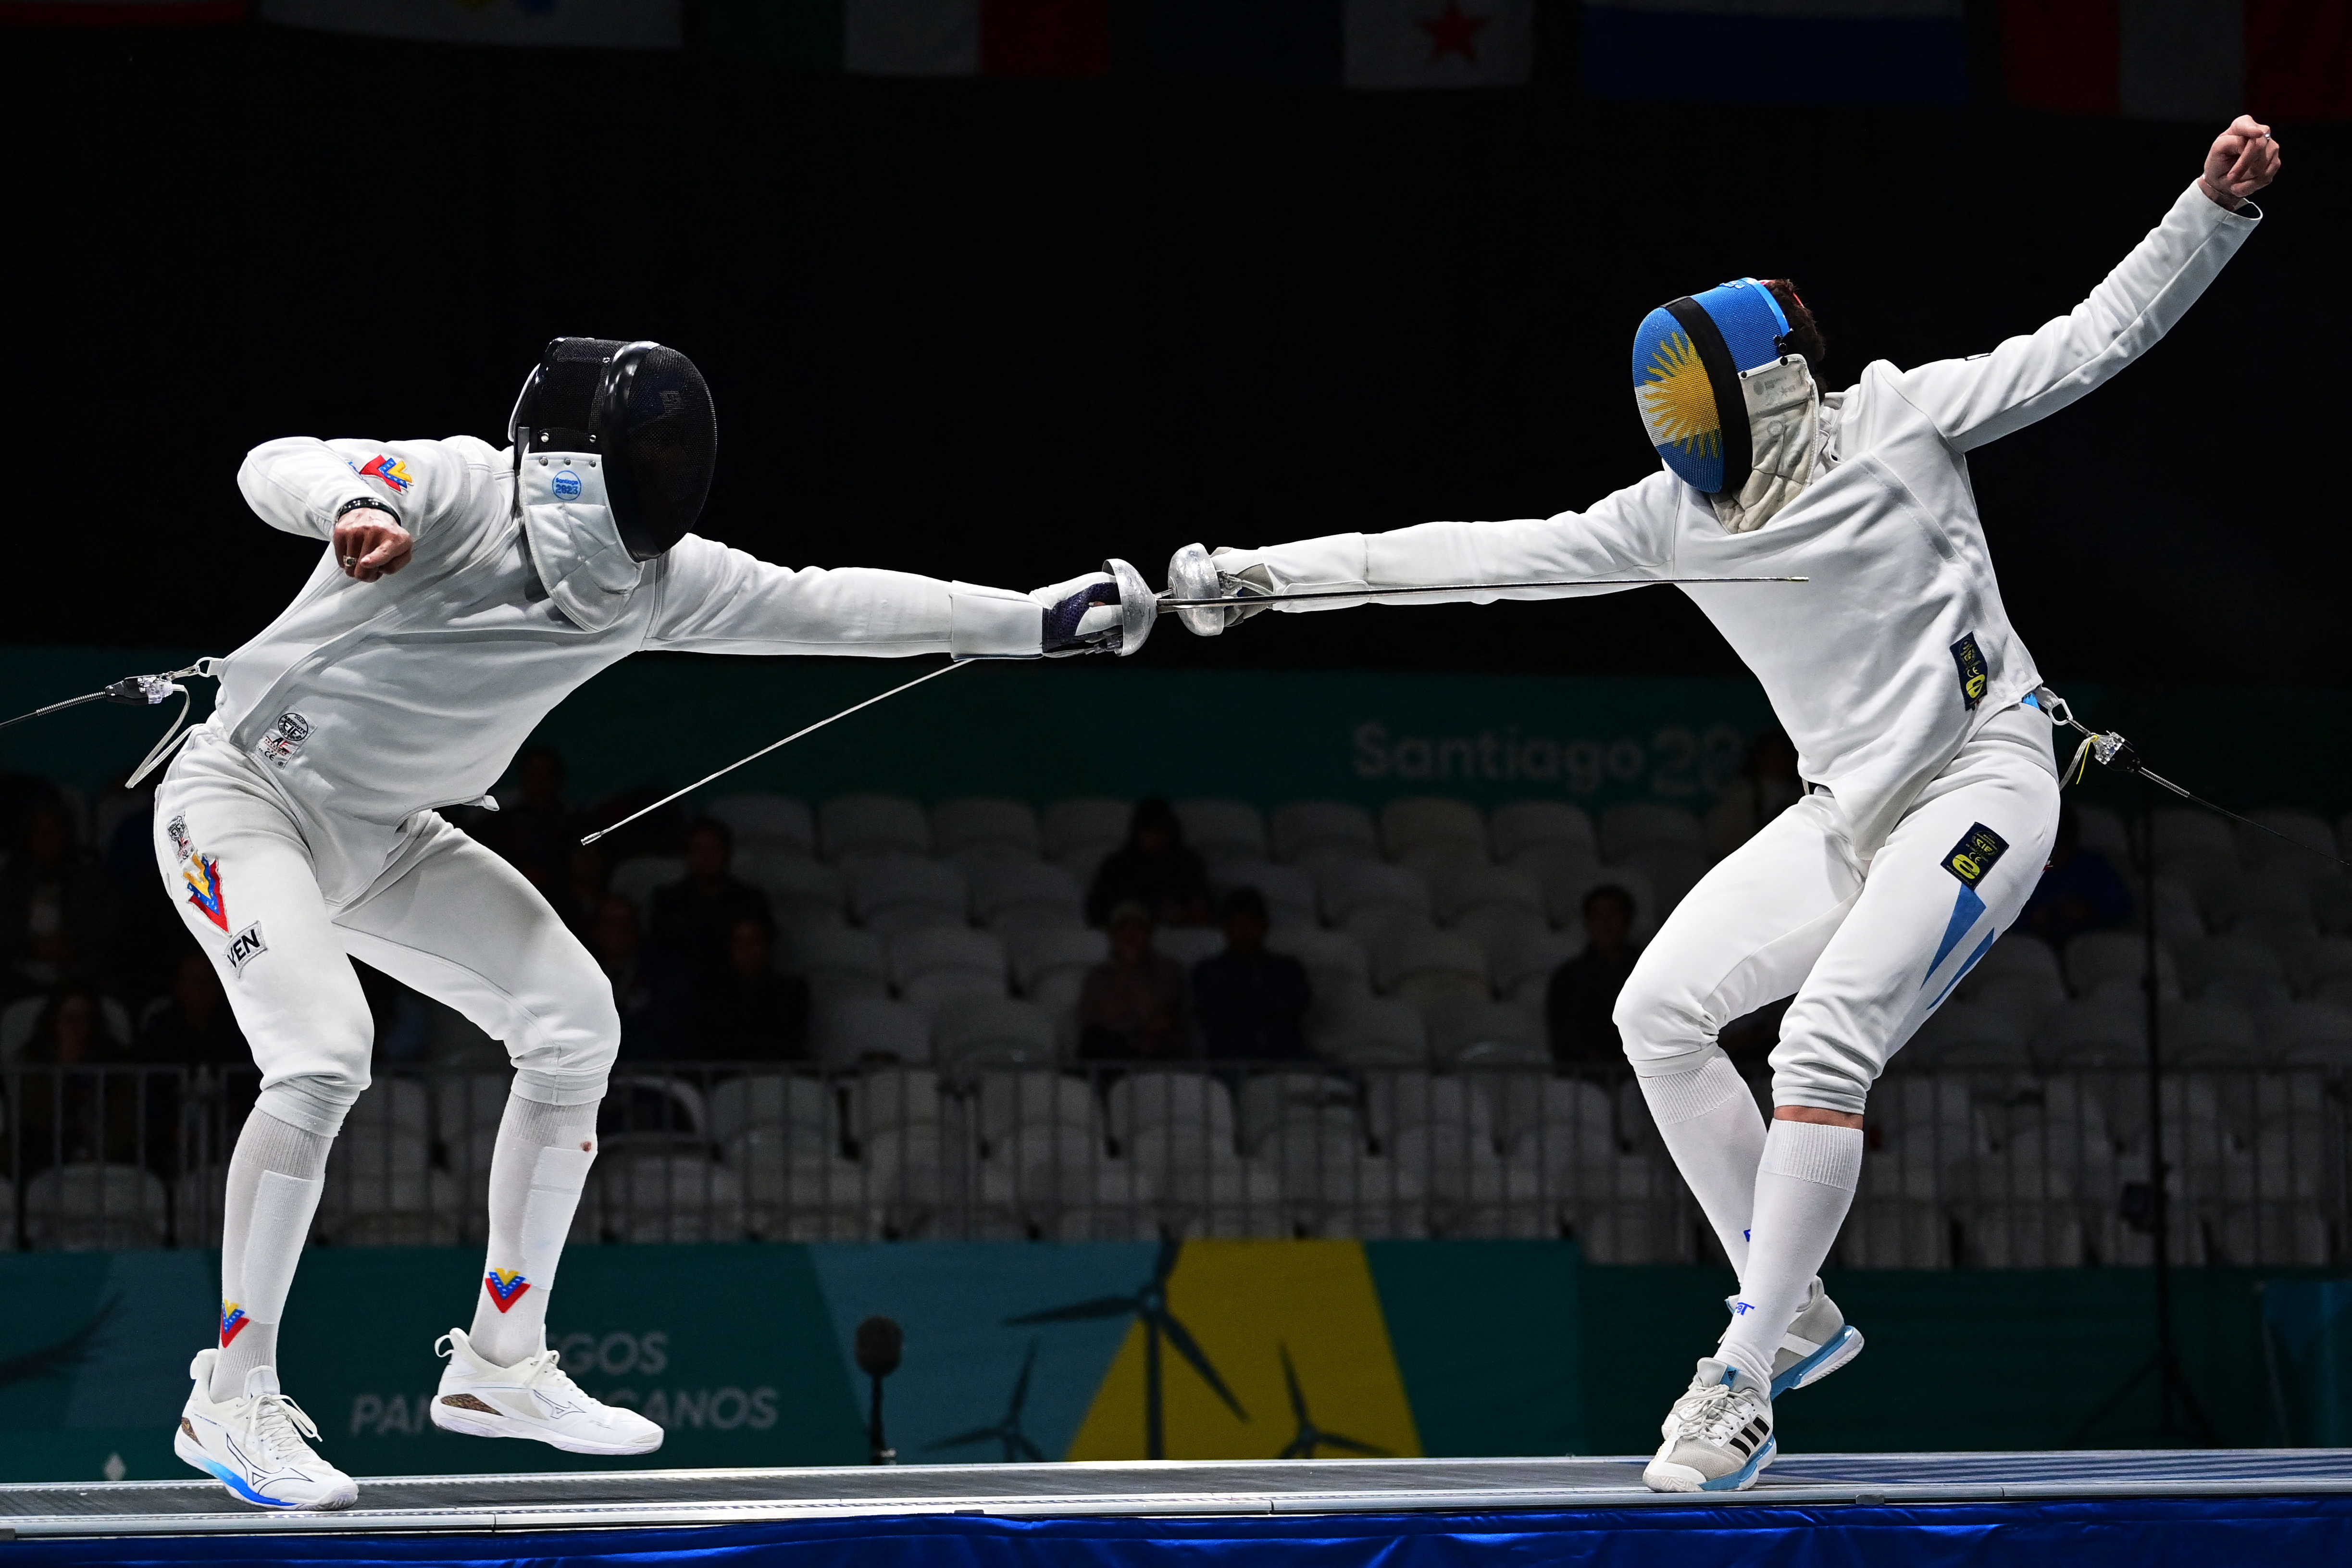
1311 1436
1017 1446
1149 1304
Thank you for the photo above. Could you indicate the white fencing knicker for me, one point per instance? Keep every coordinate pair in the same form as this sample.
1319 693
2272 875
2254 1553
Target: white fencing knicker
278 897
1869 949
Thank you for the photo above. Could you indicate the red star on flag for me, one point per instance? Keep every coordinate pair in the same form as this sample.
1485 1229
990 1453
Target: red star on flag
1453 31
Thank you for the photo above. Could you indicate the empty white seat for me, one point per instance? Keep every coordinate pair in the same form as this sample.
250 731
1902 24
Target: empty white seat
1288 892
2185 836
801 891
1306 827
1968 1035
794 1194
1222 829
2207 1033
1328 954
2313 1034
668 1198
847 1030
1007 894
1009 1101
403 1209
771 1102
1185 1102
1673 869
1409 826
1523 824
1353 889
637 877
931 950
1521 963
1037 951
1266 1097
895 1096
2096 957
853 824
1370 1032
1304 1137
992 1029
1085 829
1467 892
2178 915
760 817
1408 952
975 821
899 891
835 959
1639 823
1545 861
464 1103
1396 1102
2103 831
1473 1031
2019 963
2108 1028
94 1208
2213 958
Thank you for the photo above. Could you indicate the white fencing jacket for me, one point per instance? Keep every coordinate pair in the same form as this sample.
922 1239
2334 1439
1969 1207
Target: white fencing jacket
371 701
1869 666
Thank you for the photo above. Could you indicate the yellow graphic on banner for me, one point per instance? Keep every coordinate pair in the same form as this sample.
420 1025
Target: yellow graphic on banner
1248 1305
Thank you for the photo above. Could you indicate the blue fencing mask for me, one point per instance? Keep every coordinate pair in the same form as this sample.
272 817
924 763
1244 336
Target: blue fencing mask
1729 413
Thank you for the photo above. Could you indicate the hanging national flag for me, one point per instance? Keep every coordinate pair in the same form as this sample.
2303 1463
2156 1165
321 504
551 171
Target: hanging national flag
2188 60
554 24
118 13
1439 43
1776 51
918 37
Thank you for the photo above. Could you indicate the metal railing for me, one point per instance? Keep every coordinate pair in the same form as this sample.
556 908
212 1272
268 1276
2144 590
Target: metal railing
1966 1169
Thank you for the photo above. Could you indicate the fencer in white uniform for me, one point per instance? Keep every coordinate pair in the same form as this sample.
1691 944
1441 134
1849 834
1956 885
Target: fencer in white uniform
469 590
1912 702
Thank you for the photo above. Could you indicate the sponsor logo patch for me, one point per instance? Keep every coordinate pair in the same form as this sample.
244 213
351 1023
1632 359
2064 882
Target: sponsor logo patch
1977 852
202 874
1974 678
232 1321
181 846
246 946
285 739
390 470
565 484
506 1286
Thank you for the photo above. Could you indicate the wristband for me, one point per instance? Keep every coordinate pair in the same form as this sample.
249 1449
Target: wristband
370 501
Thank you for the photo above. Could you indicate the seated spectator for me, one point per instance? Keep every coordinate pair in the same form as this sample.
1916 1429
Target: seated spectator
1153 869
532 829
1768 785
1132 1007
80 1097
612 936
1583 991
195 1026
57 906
693 919
1251 1003
751 1012
2079 891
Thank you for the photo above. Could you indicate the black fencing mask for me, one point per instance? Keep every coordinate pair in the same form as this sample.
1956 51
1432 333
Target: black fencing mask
630 423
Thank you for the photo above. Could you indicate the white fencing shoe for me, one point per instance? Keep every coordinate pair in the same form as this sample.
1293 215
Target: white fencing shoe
1819 1343
532 1398
253 1445
1718 1435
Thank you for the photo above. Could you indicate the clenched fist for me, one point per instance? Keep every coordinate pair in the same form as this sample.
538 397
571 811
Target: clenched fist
370 546
2241 161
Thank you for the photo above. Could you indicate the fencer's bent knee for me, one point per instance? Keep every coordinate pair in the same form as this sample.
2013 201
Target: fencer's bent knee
569 1061
1664 1028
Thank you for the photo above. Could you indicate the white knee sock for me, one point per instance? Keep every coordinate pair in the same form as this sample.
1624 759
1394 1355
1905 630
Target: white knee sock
273 1181
1712 1128
537 1171
1803 1188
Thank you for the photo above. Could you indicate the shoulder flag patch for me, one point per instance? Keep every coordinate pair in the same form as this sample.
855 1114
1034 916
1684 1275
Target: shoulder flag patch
390 469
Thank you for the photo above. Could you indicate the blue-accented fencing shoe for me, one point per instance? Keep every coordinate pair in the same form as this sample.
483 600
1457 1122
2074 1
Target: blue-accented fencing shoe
533 1398
254 1445
1718 1435
1819 1343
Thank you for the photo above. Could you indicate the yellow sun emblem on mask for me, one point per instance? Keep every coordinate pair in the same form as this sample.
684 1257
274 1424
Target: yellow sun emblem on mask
1679 401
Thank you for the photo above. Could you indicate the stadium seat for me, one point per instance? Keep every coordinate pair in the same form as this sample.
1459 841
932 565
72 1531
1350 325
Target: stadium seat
1482 1033
1369 1032
799 891
1288 892
758 818
1222 829
1526 824
1009 1101
1190 1104
837 962
1037 951
1077 834
896 893
974 822
1008 895
993 1029
845 1031
1372 892
1306 828
637 877
862 825
668 1198
1641 824
2096 958
1416 823
774 1103
94 1208
1468 892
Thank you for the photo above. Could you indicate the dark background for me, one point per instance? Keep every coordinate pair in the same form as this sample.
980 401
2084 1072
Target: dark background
997 330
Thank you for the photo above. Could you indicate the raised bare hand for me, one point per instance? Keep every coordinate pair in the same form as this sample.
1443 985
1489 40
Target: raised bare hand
370 546
2241 161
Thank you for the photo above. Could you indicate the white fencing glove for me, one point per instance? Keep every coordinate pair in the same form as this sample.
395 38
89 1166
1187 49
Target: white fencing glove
1109 611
